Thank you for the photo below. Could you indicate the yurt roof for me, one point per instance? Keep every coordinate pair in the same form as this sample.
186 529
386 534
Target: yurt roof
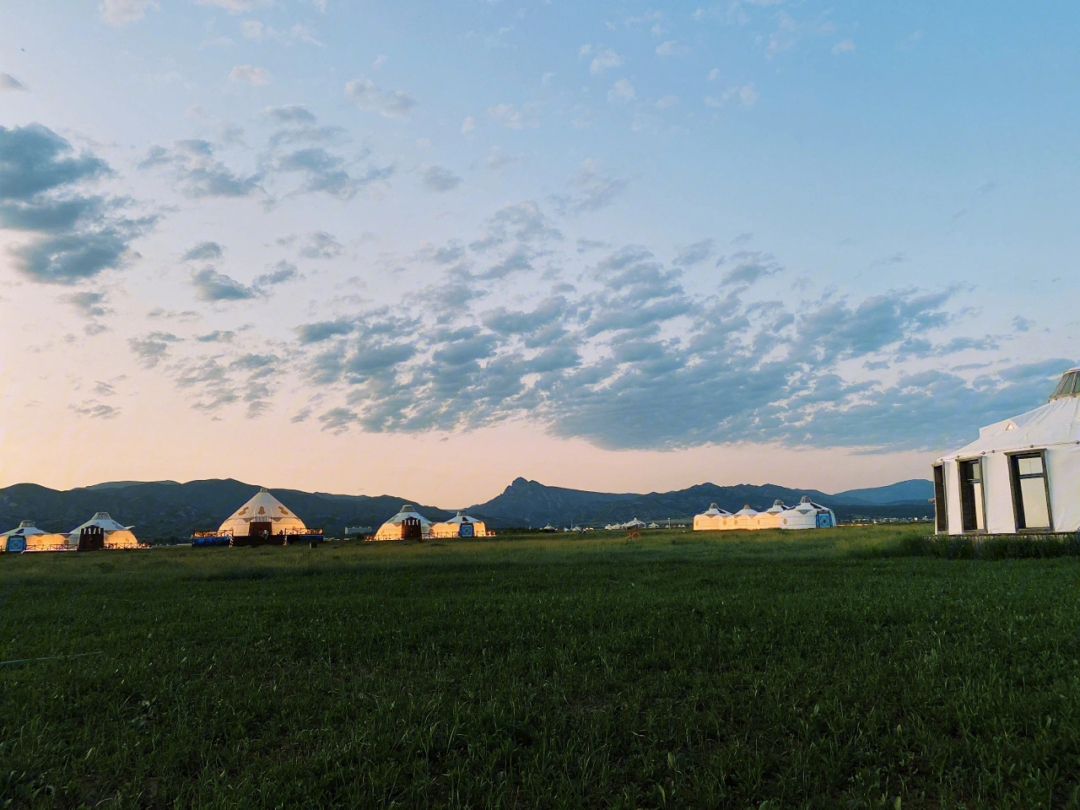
103 520
776 508
461 517
261 507
1056 422
747 510
714 511
408 511
24 529
1069 386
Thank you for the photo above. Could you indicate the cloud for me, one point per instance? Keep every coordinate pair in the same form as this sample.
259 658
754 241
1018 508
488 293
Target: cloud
328 173
249 74
121 12
89 304
10 83
95 410
363 93
71 234
750 267
468 125
323 330
622 91
204 251
199 173
689 255
512 117
667 101
438 179
846 46
151 349
213 286
517 222
595 190
605 60
290 114
283 271
745 94
321 245
234 6
671 48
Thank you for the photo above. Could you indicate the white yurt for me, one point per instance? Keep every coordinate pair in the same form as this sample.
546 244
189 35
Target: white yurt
634 523
28 537
745 518
771 517
262 508
711 519
461 525
408 524
807 515
116 535
1021 475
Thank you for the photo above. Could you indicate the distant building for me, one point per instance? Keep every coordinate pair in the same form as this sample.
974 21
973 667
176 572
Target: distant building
461 525
114 535
804 515
263 520
407 524
28 537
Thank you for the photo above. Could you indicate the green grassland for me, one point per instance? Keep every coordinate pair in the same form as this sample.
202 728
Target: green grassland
826 669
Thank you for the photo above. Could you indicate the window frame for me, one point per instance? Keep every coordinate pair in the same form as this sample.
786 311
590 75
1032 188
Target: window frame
961 482
941 502
1015 478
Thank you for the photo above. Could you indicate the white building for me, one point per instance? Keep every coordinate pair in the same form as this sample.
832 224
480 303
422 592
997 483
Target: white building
712 519
461 525
1021 475
262 509
807 515
116 536
408 524
28 537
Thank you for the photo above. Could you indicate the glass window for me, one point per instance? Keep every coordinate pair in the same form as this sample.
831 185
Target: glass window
1030 488
940 509
971 495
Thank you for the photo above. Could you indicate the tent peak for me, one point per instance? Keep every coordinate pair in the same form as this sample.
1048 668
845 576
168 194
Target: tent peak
1069 385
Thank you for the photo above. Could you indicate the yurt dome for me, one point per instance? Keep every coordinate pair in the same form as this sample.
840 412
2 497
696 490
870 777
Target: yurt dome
393 528
711 519
1069 385
747 510
461 525
116 535
262 508
26 536
776 508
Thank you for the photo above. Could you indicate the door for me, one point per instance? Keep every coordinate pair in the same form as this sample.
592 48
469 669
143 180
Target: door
410 529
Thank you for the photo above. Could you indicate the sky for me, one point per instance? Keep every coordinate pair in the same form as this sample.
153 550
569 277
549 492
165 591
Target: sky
424 248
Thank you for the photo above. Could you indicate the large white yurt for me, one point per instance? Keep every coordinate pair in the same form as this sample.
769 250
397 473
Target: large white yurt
28 537
461 525
745 518
116 535
807 515
771 517
1021 475
408 524
712 519
262 508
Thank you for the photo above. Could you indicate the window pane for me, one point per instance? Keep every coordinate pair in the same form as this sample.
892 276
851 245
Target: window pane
1030 465
1036 514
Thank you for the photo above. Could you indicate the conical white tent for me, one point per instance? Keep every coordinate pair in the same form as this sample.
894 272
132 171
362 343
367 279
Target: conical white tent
745 518
28 537
1021 475
116 535
461 525
262 508
711 519
770 518
807 515
406 524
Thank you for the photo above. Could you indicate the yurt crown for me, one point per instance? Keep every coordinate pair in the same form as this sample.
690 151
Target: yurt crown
27 524
1069 385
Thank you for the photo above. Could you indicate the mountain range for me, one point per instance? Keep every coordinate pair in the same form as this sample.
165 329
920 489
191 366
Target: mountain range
162 511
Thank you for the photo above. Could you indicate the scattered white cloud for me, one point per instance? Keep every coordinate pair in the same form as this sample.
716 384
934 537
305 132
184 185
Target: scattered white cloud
234 6
714 74
513 117
672 48
438 178
249 74
622 91
845 46
746 95
468 125
10 83
122 12
605 60
667 101
380 60
367 96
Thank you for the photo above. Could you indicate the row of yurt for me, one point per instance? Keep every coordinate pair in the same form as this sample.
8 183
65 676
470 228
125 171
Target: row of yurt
262 521
100 532
804 515
1021 475
408 524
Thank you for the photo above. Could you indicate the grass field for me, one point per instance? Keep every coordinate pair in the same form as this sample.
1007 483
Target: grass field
675 670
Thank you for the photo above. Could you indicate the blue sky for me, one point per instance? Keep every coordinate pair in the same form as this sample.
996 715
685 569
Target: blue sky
615 245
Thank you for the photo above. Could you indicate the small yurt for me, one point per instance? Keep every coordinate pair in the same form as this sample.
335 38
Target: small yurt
461 525
1021 475
807 515
114 535
28 537
408 524
771 517
745 518
711 519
